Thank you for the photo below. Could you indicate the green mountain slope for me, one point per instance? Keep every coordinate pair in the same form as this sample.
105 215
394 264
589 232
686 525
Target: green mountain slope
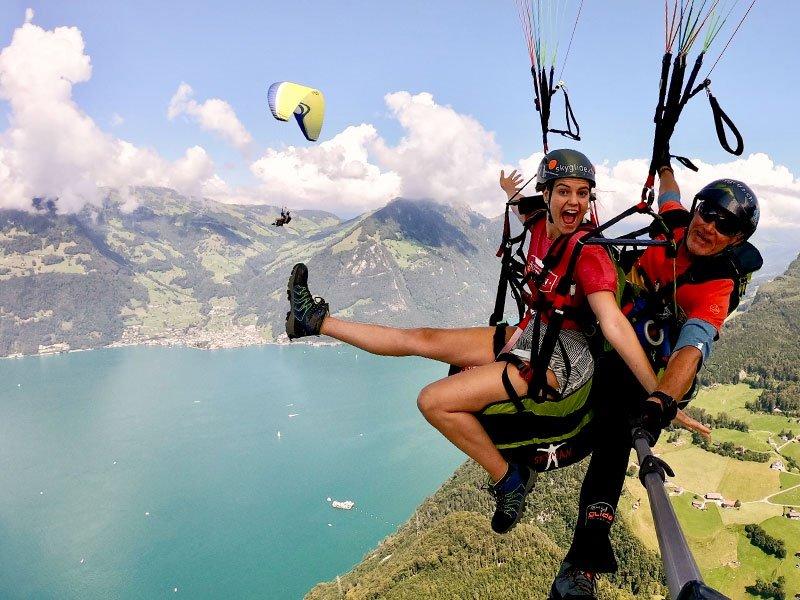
447 550
762 345
178 270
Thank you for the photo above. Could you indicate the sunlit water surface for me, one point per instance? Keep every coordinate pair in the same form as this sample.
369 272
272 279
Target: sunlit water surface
160 472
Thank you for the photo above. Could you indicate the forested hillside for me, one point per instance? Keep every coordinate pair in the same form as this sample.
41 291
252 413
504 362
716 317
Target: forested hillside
447 550
762 345
177 270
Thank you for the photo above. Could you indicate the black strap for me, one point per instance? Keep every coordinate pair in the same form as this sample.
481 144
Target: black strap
567 365
569 132
543 89
671 102
720 120
685 162
512 359
499 338
689 91
662 87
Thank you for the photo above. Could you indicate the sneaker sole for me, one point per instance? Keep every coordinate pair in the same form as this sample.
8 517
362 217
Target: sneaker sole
291 326
291 323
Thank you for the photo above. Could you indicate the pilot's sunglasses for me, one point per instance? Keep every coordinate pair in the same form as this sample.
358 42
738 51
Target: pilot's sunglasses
725 222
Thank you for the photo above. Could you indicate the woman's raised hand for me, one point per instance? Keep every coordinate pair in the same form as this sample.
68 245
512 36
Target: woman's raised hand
510 184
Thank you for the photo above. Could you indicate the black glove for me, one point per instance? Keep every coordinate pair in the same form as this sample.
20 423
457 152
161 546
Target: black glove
655 416
663 159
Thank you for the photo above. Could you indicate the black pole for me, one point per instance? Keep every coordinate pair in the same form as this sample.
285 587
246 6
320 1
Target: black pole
683 577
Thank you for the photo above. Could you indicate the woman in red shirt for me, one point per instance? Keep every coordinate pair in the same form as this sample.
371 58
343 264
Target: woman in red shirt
566 179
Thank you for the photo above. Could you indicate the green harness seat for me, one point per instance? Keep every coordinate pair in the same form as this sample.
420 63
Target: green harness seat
537 423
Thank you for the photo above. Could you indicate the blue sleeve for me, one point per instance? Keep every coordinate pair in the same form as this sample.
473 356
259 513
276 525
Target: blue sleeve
698 334
668 197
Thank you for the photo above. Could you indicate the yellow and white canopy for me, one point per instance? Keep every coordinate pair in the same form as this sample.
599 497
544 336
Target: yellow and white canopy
305 103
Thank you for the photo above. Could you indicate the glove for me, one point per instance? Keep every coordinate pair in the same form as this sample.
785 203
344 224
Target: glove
657 412
663 159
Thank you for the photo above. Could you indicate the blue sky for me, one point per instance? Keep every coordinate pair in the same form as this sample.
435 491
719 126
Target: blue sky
468 54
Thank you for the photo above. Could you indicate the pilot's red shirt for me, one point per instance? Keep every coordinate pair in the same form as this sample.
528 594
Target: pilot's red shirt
707 301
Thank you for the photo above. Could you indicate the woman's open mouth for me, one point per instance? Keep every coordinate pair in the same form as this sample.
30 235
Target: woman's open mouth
569 216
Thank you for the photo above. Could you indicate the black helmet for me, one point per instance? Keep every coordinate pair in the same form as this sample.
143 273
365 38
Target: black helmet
735 197
564 163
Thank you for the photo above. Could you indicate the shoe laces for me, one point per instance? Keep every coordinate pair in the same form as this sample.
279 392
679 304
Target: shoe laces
507 502
583 581
304 300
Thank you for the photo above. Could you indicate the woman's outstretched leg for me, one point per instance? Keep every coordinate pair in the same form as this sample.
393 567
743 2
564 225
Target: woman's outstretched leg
460 347
449 405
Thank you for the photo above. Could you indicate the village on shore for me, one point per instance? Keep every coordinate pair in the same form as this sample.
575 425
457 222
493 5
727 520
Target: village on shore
191 337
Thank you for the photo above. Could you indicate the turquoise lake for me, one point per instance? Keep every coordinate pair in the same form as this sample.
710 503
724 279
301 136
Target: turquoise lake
136 472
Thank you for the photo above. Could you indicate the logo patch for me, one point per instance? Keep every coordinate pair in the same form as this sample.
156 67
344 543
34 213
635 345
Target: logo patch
552 164
549 457
535 265
600 512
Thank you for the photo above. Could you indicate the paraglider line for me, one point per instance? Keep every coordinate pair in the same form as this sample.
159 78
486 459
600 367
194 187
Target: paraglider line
730 39
569 46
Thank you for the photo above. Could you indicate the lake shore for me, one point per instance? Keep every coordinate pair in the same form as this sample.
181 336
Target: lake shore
199 339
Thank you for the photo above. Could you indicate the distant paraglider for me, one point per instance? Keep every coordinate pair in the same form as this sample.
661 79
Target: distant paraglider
283 219
306 104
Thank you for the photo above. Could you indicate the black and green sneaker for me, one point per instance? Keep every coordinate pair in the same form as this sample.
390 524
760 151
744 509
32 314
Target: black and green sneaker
573 584
306 313
510 493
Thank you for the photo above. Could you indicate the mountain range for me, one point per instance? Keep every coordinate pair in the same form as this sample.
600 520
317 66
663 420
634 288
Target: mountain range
178 270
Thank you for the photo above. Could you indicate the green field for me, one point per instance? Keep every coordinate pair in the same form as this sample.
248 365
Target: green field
751 512
792 450
741 438
640 520
701 472
790 498
789 480
725 398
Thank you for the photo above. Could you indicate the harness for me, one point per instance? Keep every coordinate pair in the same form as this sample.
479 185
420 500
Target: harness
544 416
654 313
549 308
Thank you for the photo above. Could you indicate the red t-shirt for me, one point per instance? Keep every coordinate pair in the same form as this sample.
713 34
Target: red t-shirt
707 301
594 271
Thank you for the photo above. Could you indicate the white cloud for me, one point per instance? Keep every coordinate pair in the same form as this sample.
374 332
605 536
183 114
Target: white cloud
777 189
117 120
52 148
334 175
443 155
214 115
450 157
